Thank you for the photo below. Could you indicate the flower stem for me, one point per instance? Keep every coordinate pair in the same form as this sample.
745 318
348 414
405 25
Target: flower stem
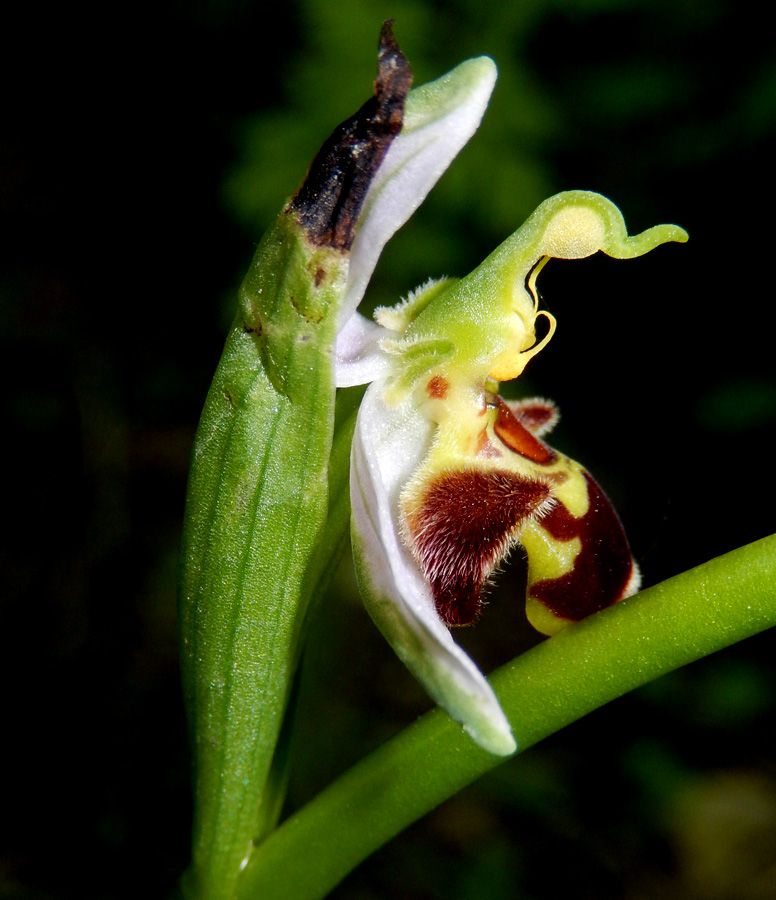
582 668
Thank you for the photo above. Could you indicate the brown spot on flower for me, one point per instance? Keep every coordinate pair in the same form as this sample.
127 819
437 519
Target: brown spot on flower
464 526
518 438
485 448
604 568
329 201
438 387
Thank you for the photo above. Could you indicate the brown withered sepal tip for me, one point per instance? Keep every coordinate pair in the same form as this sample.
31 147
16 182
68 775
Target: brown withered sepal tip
329 202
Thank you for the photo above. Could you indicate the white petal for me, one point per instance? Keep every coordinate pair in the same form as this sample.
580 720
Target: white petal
359 359
389 443
440 117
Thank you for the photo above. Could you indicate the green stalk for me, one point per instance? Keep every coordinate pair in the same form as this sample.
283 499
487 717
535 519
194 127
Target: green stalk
556 683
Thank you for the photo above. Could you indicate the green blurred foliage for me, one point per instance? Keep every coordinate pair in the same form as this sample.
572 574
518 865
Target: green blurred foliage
143 151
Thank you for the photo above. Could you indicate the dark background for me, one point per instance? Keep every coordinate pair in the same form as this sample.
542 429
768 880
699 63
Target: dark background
142 152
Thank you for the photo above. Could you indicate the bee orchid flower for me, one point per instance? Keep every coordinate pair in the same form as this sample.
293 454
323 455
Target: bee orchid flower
447 477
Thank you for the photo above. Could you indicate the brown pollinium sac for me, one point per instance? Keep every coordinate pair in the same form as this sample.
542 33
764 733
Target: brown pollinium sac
329 201
518 437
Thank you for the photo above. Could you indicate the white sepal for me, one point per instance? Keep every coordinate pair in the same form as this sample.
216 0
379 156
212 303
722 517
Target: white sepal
440 117
389 444
358 357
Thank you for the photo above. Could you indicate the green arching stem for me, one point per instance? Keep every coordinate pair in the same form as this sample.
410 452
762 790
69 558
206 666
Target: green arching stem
587 665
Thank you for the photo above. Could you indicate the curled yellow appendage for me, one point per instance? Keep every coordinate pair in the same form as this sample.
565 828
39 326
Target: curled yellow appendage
511 363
